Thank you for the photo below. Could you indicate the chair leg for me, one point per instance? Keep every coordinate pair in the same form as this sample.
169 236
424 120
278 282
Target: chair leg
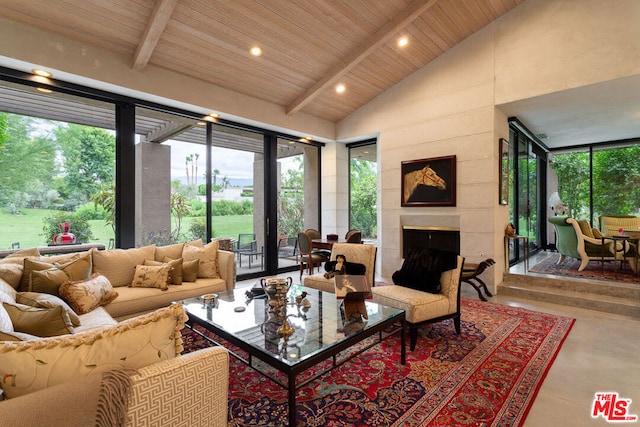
456 323
484 287
469 282
413 337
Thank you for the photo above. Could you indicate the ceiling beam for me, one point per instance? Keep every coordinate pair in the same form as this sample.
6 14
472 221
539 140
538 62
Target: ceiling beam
157 22
389 30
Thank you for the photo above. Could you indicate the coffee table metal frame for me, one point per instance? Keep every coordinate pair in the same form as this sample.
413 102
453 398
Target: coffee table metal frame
384 329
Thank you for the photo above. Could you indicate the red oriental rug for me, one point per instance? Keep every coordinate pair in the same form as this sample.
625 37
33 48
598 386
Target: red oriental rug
489 375
610 271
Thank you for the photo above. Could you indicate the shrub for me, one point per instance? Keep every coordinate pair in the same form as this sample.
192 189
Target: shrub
77 225
91 211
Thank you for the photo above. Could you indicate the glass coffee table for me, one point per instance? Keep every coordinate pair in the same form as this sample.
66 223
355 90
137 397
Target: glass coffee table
320 332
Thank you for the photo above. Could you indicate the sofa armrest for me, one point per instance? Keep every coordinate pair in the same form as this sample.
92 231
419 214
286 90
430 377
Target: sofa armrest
190 390
227 268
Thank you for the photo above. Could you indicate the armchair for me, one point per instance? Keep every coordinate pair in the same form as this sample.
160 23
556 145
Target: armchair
425 306
354 252
576 239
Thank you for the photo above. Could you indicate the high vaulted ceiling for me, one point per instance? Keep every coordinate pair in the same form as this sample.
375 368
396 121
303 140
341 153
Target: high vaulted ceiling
309 46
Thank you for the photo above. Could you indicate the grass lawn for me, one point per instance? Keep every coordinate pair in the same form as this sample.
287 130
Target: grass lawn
26 228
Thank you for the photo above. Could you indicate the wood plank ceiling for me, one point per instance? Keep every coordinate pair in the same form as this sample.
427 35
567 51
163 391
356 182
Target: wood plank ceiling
309 46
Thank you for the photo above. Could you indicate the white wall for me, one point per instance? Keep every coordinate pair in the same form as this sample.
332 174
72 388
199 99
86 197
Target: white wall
448 108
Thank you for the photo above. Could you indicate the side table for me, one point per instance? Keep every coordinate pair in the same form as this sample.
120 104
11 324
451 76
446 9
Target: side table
525 243
627 240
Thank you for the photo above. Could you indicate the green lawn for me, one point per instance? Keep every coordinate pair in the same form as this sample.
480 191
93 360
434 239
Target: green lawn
27 227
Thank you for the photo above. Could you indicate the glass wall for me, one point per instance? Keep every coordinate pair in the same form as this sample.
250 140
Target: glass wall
363 186
56 165
599 180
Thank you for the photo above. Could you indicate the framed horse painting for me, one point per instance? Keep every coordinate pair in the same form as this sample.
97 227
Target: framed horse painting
429 182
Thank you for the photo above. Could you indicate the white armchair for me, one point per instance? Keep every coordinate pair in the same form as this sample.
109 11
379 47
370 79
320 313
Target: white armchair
354 252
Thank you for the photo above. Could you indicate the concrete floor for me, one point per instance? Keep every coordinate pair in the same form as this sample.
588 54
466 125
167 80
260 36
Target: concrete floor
600 354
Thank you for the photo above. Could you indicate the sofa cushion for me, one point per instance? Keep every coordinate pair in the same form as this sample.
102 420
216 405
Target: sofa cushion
170 251
7 294
42 322
16 336
151 276
43 300
207 257
175 275
12 274
585 227
85 295
28 366
119 265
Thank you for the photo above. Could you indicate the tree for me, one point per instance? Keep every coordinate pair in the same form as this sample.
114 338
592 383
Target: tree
105 197
89 157
26 163
364 197
3 129
290 216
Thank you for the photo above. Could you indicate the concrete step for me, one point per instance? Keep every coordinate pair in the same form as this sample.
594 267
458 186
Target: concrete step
608 297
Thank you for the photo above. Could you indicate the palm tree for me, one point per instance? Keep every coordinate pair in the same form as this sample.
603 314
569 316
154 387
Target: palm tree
186 164
216 172
195 176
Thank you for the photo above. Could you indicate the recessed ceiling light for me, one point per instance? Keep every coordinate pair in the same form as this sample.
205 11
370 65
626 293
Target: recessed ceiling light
340 88
403 41
256 51
41 73
43 90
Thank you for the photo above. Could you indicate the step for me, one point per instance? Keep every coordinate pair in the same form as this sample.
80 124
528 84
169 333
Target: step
629 291
574 298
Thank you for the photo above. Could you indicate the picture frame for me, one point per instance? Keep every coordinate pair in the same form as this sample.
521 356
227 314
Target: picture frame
429 182
503 159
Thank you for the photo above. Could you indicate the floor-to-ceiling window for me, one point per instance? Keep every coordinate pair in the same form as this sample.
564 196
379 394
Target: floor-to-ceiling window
363 187
191 178
527 207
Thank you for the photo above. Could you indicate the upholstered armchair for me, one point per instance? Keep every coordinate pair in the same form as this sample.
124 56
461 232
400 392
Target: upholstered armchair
354 253
577 239
426 302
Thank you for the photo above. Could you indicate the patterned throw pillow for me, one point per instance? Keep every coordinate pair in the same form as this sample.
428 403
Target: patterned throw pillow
28 366
175 276
207 257
151 276
86 295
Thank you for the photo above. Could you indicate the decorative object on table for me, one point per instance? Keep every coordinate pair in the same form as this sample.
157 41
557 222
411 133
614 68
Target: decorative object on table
276 290
353 290
65 237
209 300
429 182
503 159
510 230
332 237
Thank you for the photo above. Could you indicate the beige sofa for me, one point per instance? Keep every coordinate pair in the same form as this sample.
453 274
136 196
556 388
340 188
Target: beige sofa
125 374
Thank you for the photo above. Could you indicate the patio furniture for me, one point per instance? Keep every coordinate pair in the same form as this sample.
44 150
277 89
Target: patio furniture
248 245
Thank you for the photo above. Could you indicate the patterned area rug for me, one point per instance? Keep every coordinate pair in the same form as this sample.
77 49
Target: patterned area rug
489 375
594 270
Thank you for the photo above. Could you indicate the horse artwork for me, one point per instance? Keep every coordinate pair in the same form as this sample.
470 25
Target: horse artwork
429 182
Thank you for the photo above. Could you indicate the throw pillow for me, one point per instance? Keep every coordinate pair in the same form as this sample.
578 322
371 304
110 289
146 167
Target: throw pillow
596 233
175 276
12 274
171 251
34 299
207 256
86 295
585 227
119 265
47 281
19 256
28 366
41 322
76 268
148 276
190 270
5 321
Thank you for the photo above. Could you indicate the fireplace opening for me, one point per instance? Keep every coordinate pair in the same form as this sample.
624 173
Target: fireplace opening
442 238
